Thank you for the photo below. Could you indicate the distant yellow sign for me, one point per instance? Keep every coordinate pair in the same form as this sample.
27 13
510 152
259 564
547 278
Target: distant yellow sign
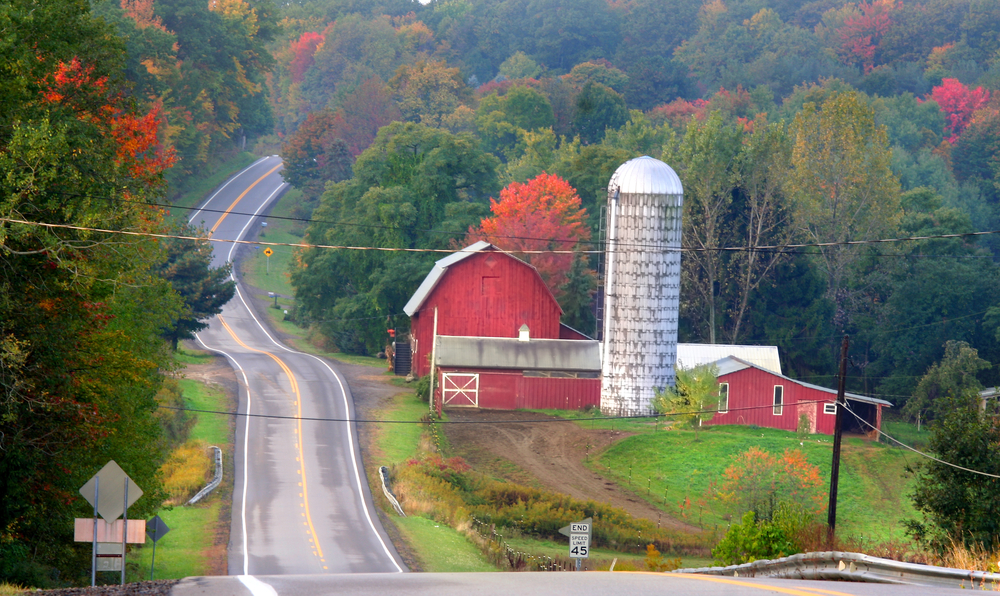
268 252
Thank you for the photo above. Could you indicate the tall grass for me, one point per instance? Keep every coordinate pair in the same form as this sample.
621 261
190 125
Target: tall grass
186 471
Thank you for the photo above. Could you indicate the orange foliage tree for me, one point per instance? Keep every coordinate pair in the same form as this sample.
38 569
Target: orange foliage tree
543 213
758 481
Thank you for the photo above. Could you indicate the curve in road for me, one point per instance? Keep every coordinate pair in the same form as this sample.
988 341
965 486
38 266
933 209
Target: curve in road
301 505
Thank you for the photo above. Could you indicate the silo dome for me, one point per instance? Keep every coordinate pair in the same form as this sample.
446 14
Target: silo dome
645 175
642 285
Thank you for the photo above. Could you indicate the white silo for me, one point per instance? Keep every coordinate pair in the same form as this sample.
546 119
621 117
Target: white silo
642 285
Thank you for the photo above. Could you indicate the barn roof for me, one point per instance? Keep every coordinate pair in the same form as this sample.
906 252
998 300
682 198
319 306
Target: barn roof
732 364
513 353
441 266
430 282
692 355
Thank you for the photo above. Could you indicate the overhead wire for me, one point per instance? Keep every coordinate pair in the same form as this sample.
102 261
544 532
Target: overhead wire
651 248
917 451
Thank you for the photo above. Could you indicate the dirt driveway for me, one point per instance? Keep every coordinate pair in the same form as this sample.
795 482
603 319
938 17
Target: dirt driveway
552 453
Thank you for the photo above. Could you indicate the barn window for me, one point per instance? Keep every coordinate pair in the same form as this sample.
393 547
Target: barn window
829 408
723 398
779 397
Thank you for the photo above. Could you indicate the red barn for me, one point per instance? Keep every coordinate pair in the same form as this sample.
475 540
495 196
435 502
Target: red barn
750 394
493 328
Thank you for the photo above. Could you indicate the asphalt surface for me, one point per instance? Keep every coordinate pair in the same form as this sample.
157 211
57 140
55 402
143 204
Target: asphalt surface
301 504
535 584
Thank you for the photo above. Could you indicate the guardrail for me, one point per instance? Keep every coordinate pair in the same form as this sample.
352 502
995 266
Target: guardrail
215 480
834 565
383 473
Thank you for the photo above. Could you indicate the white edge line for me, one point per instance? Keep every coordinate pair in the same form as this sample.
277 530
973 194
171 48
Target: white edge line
257 587
246 440
267 201
350 430
218 190
343 393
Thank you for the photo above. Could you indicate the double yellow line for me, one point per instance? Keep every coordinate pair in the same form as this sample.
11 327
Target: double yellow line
298 443
240 198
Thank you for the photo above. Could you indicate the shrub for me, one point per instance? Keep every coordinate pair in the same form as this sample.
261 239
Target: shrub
752 540
422 388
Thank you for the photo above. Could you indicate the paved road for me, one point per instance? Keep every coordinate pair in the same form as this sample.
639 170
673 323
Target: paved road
535 584
300 502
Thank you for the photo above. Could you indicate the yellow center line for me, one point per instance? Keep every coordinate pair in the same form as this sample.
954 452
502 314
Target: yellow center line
824 591
238 199
298 442
735 582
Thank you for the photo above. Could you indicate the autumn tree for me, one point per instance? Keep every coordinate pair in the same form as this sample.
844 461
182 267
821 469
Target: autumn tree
428 91
758 481
958 103
841 185
543 214
79 309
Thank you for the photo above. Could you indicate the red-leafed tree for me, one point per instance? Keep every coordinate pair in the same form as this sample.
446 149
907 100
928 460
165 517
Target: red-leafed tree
959 103
364 111
317 153
678 112
303 51
861 34
543 214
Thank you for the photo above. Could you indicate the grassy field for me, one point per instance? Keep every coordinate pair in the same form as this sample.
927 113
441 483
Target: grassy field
675 469
441 548
181 552
210 428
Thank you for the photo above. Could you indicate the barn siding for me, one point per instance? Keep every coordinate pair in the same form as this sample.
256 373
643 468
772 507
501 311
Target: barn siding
754 388
489 294
509 390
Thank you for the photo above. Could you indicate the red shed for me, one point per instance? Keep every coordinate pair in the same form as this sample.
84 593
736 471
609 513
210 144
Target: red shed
750 394
499 342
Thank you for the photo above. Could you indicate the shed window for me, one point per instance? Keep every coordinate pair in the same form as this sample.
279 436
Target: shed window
829 408
779 398
723 398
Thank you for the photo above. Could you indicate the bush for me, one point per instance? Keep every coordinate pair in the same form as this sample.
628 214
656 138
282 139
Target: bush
423 388
753 540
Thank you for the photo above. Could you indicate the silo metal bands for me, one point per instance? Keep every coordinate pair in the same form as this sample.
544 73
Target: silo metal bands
642 285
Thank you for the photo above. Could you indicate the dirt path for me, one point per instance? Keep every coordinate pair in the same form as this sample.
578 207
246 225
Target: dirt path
552 453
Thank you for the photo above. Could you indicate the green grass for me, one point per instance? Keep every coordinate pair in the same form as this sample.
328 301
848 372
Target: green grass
183 356
399 442
599 557
180 552
907 433
440 548
202 188
673 468
271 274
211 428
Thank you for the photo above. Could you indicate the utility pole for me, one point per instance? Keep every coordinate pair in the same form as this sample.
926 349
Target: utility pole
835 466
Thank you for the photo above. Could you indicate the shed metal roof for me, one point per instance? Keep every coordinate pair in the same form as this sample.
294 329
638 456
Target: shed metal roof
511 353
646 175
427 286
732 364
692 355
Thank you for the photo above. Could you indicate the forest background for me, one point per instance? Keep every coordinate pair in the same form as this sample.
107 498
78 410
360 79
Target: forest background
429 125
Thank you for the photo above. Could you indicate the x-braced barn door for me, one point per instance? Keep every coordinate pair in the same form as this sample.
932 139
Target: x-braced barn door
460 389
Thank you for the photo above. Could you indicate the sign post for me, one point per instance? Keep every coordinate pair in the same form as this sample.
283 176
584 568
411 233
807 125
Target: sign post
156 530
579 539
110 504
267 253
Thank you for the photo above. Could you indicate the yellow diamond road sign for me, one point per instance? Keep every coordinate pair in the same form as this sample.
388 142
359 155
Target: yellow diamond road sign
268 252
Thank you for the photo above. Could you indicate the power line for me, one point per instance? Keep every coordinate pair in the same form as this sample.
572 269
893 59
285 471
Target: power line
789 249
515 251
918 452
